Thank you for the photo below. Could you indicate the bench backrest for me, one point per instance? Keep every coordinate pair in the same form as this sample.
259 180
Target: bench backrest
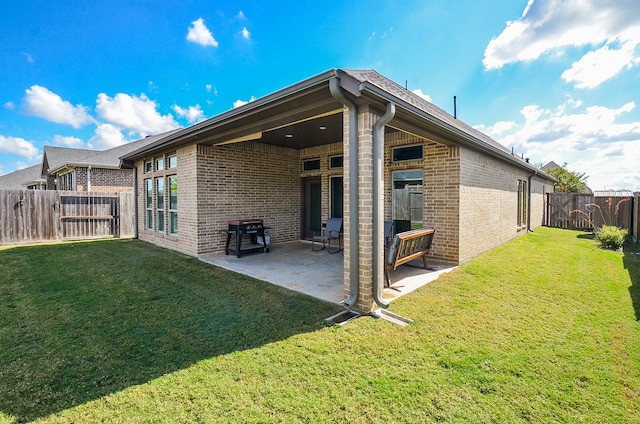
410 242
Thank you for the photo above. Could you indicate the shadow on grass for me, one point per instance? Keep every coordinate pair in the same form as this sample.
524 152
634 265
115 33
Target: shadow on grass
80 321
632 264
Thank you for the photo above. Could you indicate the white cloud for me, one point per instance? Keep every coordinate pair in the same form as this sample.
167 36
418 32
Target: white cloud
590 139
239 102
498 128
67 141
41 102
241 16
198 33
208 87
9 105
554 25
18 146
192 113
28 57
419 92
136 114
597 66
105 137
245 33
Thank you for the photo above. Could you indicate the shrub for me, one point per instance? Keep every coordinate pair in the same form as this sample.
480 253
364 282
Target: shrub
611 237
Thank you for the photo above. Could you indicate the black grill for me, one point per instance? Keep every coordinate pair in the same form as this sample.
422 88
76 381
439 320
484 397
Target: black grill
253 229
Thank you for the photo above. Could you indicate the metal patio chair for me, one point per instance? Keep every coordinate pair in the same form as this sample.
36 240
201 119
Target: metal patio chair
331 233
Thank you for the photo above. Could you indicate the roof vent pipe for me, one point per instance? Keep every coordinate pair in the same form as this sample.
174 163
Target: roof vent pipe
378 205
455 107
354 259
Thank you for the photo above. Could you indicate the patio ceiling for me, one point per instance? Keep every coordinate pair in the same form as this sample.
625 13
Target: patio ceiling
309 118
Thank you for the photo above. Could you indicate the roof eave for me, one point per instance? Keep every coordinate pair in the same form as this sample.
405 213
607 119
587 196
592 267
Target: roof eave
174 139
460 137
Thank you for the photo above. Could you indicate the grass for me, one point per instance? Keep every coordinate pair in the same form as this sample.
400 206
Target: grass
543 329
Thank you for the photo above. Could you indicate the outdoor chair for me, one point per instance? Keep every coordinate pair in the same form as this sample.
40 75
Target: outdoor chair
331 235
389 232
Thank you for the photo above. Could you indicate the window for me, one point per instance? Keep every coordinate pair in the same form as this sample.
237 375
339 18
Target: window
311 165
148 167
159 164
173 161
160 203
173 205
407 199
522 203
337 197
67 182
405 153
336 162
149 203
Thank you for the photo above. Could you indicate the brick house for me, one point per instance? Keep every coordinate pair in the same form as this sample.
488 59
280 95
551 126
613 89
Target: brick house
343 143
69 169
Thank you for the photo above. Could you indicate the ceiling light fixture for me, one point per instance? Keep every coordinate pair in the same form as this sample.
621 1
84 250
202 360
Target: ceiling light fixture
323 128
289 135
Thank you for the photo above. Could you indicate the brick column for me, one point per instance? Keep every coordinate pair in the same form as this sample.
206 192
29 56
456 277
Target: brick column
366 119
347 207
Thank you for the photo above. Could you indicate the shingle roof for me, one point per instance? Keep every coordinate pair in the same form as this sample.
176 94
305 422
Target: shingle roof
58 157
111 158
15 180
413 99
374 84
550 165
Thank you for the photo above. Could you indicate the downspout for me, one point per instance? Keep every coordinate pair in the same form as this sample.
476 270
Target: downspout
378 204
128 165
354 221
529 200
135 203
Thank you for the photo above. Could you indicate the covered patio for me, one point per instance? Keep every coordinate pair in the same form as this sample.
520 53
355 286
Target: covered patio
293 265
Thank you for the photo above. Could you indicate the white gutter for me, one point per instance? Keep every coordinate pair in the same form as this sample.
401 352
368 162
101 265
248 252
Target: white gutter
378 203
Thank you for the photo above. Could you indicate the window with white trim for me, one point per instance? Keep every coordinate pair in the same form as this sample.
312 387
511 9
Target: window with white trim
160 204
407 153
148 203
522 203
67 181
407 199
173 205
311 165
336 162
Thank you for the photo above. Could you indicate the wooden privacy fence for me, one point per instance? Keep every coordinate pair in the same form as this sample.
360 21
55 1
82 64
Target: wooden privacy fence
585 212
569 210
47 215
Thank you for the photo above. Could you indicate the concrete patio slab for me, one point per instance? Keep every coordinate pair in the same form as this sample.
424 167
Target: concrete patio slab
318 274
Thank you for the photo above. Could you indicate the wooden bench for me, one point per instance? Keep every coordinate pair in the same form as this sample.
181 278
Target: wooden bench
406 247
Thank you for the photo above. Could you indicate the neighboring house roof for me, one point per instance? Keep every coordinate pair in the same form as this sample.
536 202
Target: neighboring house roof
251 121
613 193
54 158
550 165
16 180
60 157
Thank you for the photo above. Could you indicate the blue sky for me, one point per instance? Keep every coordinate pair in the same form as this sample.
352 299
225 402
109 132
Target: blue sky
554 80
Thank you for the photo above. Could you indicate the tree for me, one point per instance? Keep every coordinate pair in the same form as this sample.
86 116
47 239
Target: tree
569 181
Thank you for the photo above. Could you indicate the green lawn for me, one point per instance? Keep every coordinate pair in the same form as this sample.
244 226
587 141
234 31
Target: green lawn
543 329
